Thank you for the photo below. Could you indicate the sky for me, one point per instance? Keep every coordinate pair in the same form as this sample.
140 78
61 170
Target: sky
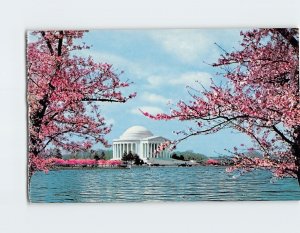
161 64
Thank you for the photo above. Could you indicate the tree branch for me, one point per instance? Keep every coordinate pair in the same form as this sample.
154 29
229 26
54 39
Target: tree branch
48 43
102 100
59 51
292 40
282 135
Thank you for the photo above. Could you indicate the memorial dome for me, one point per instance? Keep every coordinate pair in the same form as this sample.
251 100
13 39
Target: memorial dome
136 133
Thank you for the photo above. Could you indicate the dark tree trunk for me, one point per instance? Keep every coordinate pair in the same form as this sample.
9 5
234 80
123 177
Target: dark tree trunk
296 151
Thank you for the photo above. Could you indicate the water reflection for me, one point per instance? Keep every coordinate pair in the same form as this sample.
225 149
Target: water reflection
158 184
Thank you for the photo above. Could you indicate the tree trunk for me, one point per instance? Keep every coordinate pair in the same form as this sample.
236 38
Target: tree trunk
296 151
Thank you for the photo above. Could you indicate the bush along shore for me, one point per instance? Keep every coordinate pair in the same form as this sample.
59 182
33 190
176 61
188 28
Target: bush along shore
59 163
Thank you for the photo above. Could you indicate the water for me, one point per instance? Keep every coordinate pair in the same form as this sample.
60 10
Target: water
158 184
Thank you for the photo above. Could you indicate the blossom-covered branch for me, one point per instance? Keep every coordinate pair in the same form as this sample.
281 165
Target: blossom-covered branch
260 99
63 91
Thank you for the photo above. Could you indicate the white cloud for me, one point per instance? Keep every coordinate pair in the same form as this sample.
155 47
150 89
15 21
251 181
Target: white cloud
154 98
192 79
187 45
155 81
118 61
196 45
149 109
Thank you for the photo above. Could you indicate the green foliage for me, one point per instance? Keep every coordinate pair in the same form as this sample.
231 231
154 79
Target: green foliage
102 156
127 157
91 154
108 154
137 160
189 155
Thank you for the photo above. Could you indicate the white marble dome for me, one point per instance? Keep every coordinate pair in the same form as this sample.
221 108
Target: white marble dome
136 133
139 140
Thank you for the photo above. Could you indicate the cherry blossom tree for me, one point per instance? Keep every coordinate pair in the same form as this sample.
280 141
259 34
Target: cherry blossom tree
63 94
260 98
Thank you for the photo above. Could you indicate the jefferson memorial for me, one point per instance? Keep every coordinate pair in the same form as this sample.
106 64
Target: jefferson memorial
140 141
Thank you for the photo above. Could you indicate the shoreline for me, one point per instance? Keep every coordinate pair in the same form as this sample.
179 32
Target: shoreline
56 168
84 168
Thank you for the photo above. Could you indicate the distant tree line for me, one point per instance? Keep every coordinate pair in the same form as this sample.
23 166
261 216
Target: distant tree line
189 155
89 154
92 154
200 158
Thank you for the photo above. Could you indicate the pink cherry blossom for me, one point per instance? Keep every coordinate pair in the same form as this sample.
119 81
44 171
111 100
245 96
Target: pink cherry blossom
63 94
50 162
260 99
212 162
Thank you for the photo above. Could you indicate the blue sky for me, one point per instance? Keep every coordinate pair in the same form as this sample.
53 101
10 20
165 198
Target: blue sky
161 63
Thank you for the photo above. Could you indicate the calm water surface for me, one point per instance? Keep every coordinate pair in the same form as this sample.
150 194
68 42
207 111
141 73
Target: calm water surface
158 184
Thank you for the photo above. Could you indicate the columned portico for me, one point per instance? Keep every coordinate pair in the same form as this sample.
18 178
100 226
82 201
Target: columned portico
138 140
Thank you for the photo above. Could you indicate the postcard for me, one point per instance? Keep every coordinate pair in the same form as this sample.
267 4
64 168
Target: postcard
169 115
